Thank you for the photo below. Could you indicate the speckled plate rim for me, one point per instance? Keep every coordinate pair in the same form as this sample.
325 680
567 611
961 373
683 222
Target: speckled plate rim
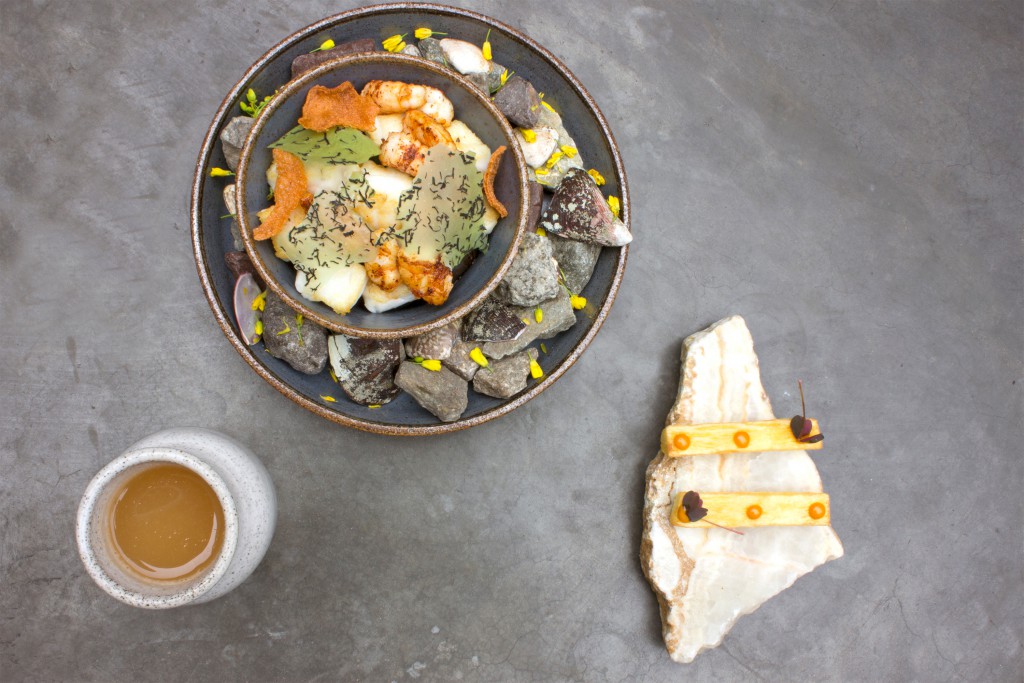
384 428
245 227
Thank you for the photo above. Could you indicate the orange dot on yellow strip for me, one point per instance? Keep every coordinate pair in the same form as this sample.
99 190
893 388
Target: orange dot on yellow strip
734 437
756 509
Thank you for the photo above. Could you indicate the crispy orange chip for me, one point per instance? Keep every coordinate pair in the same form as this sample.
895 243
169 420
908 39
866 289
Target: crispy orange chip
326 108
492 170
291 192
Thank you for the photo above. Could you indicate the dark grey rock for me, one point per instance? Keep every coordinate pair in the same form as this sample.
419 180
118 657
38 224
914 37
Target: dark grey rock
436 344
576 261
558 317
444 394
579 211
232 137
304 63
238 263
494 77
459 361
519 102
533 275
492 321
536 204
505 378
304 347
430 48
366 368
236 234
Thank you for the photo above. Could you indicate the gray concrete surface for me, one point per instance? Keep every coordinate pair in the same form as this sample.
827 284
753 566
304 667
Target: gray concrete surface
845 175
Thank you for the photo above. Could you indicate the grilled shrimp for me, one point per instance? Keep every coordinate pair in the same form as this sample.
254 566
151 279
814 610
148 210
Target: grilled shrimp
428 280
405 150
394 96
383 270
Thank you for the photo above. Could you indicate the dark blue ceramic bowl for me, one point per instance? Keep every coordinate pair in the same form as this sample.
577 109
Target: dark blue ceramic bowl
211 237
471 107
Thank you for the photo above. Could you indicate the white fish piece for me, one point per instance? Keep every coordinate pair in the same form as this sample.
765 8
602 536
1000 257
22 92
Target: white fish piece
706 579
385 125
537 152
339 286
321 176
467 141
378 300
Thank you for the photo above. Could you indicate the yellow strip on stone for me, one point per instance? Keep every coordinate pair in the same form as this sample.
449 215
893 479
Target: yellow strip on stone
733 437
756 509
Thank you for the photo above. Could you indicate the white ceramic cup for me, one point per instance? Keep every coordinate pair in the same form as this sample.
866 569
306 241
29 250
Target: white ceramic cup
246 495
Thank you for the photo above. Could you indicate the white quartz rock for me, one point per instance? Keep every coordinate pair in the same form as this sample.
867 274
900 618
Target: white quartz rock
537 152
706 579
466 58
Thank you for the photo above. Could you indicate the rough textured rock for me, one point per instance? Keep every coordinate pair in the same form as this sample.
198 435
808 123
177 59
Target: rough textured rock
494 77
518 101
459 361
576 260
705 579
366 368
431 49
479 80
533 276
558 317
412 50
304 63
233 137
466 58
443 393
436 344
505 378
492 321
579 211
302 346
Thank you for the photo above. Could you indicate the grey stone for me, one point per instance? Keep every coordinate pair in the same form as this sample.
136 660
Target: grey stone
519 102
411 50
236 234
494 77
436 344
308 62
576 260
431 49
479 80
366 368
232 137
443 393
304 347
579 211
492 321
553 178
460 362
505 378
533 276
558 317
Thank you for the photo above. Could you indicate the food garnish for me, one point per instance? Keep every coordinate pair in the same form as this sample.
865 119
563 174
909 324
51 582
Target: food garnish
613 204
250 106
217 172
329 399
478 357
290 193
424 33
578 302
326 108
492 171
751 509
732 437
690 508
529 134
536 371
432 365
486 49
326 45
598 178
801 425
394 43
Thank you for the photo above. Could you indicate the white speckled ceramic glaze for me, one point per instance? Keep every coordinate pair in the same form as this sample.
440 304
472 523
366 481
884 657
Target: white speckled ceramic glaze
246 494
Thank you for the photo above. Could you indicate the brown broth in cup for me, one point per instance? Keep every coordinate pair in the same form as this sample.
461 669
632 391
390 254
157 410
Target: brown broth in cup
166 523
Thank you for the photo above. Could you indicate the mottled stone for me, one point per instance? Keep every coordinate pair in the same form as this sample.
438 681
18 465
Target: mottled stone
411 50
308 62
304 347
579 211
479 80
444 394
460 362
436 344
505 378
558 317
431 49
236 235
494 77
533 276
554 174
519 102
466 58
492 321
232 137
366 368
576 260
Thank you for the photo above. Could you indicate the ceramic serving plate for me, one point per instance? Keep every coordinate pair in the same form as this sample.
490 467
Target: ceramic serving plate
211 235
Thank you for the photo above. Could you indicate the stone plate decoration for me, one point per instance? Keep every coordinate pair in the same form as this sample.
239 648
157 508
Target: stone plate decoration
371 386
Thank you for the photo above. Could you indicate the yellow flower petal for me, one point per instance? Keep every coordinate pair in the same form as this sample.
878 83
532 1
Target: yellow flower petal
569 151
326 45
373 406
217 172
540 171
422 33
478 357
542 232
598 178
504 76
613 204
543 348
548 107
529 135
432 365
578 302
260 302
535 370
554 158
259 327
486 49
538 314
329 399
394 43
